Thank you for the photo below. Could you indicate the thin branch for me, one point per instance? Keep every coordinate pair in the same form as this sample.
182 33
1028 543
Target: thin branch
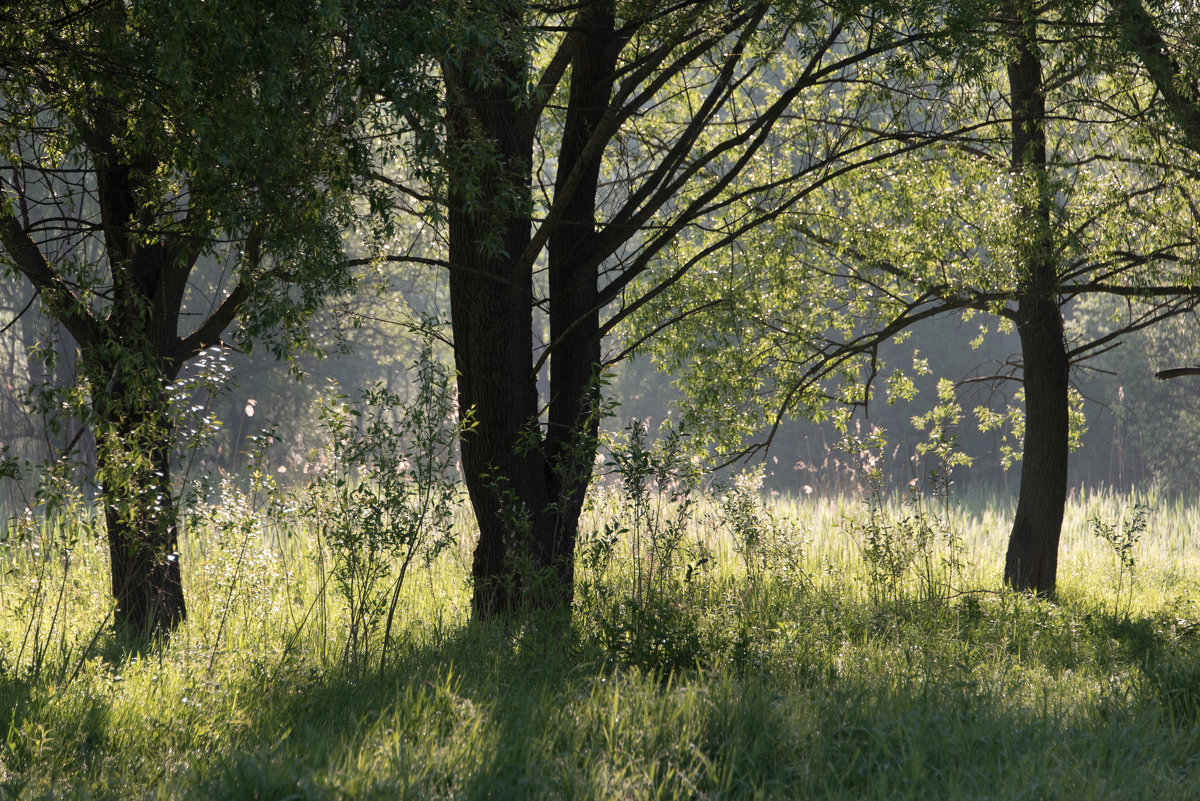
20 314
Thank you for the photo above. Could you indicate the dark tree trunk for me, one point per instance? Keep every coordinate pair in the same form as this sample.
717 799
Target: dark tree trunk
1032 559
133 433
526 487
490 143
129 353
130 362
574 412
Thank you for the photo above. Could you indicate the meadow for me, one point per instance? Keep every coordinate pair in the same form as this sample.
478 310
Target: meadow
810 647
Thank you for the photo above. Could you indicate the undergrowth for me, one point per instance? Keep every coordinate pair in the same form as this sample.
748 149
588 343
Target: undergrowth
772 670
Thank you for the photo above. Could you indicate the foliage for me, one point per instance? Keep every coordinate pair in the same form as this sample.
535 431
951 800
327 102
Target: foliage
805 305
207 124
1122 536
384 496
768 543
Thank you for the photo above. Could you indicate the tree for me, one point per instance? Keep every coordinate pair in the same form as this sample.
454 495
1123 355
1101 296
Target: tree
1041 188
1032 558
583 142
172 171
1172 66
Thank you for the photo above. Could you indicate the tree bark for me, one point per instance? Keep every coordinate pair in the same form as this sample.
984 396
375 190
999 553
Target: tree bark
1032 559
1140 35
526 486
574 412
134 442
490 144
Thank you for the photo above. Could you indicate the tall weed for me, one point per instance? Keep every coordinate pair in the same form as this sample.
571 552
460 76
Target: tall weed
1122 536
384 496
919 543
770 544
656 505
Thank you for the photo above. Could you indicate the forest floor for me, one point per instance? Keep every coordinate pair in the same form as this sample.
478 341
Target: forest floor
808 648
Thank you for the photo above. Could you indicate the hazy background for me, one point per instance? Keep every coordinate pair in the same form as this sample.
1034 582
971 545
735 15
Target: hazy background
1141 433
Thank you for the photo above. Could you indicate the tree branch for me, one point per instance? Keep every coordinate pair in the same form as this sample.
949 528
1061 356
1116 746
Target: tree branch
59 300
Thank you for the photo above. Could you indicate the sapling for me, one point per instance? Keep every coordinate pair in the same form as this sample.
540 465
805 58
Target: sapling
1123 536
385 494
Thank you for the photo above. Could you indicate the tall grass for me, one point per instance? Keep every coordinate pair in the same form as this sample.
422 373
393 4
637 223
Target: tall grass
798 681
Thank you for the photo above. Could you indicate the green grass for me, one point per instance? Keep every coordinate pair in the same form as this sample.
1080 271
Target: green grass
820 686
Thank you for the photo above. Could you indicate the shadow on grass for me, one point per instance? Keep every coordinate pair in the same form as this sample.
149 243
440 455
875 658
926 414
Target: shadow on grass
366 733
480 714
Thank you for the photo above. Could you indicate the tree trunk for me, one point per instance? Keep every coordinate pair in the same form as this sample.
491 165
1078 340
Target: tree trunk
574 413
133 434
1032 559
527 488
490 144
